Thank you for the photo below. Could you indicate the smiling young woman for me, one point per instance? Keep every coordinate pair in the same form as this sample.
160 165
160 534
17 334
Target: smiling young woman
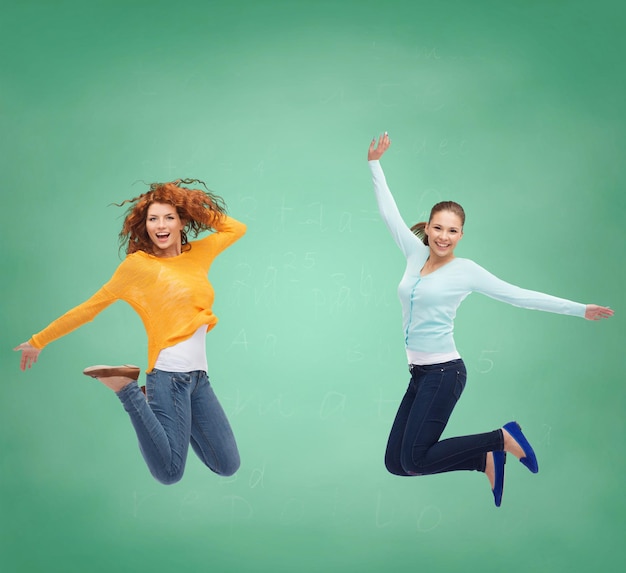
164 228
434 284
164 278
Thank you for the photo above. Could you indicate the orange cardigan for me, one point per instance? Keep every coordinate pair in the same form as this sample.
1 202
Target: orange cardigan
172 295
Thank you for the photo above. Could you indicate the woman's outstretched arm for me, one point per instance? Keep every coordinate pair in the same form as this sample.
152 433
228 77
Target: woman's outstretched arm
402 235
490 285
65 324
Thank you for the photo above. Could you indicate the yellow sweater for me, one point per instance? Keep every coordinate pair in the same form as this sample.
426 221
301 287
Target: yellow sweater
172 295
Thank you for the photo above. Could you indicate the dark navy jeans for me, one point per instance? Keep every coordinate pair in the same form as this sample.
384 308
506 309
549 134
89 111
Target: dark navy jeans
414 447
181 409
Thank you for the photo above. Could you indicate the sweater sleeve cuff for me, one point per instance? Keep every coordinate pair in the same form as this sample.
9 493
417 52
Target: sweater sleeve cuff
35 344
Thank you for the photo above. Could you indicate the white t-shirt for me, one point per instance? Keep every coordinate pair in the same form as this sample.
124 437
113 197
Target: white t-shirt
186 356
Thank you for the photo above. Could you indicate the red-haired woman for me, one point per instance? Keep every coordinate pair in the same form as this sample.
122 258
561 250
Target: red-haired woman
164 278
432 288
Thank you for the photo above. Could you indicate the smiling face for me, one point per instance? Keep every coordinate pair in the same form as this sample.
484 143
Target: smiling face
444 231
164 228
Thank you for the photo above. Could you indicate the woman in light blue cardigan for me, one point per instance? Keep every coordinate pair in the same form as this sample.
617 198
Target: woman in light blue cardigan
434 284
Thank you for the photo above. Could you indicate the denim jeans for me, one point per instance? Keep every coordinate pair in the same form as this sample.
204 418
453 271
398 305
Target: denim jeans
181 408
414 447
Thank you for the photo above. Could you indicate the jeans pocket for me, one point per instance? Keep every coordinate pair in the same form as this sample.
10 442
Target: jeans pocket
181 377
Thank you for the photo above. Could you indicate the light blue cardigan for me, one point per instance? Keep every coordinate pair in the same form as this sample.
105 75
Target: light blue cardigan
429 303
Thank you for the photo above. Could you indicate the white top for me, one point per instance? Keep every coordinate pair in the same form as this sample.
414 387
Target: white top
186 356
429 303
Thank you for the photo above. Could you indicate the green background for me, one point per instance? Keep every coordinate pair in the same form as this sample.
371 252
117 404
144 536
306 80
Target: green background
515 109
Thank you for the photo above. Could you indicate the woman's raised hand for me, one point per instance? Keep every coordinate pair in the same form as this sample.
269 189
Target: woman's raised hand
29 354
376 152
595 312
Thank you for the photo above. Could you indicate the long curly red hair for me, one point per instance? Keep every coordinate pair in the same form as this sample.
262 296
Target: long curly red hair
198 210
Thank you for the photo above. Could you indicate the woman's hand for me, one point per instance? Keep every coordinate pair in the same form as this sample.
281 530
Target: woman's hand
29 354
375 153
595 312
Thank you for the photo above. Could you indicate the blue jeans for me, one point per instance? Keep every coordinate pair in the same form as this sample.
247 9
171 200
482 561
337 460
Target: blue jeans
181 408
414 447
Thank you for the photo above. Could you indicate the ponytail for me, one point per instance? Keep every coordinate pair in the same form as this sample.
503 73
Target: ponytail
418 231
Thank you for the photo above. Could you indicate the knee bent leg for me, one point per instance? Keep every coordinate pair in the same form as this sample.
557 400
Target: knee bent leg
167 478
229 468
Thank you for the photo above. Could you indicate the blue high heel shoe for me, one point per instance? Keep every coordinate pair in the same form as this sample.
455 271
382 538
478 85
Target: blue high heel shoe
499 459
529 459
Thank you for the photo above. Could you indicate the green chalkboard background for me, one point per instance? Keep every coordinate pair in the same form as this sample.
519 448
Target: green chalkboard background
515 109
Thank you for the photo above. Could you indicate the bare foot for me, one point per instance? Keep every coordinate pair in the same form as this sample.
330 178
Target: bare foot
116 383
490 471
510 445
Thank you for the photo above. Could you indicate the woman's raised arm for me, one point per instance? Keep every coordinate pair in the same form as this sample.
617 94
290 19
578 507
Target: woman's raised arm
401 233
